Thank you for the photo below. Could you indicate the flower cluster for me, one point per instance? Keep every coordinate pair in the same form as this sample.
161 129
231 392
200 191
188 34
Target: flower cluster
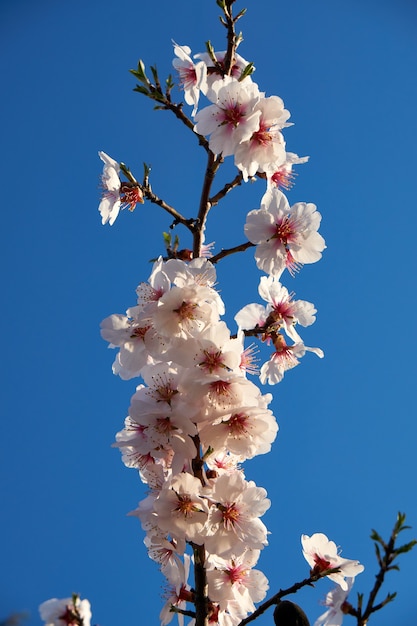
197 416
189 427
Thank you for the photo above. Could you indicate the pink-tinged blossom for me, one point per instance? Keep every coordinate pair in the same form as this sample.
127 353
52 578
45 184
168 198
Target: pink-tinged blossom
184 311
285 237
116 194
284 358
233 118
181 510
246 432
219 396
282 311
337 605
322 554
265 150
233 523
193 76
129 335
179 592
65 612
283 177
149 293
212 353
234 584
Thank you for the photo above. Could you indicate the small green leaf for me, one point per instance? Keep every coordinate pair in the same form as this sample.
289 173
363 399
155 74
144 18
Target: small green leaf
141 89
406 547
378 554
247 71
376 537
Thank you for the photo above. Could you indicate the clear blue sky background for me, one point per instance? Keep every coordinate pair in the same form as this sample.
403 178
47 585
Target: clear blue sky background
345 457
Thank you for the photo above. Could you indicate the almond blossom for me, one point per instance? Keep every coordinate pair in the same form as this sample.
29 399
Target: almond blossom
232 118
283 177
322 555
65 612
336 601
282 311
284 358
116 194
193 76
286 237
233 523
265 150
234 584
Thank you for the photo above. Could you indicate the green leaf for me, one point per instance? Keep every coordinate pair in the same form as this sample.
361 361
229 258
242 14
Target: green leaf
155 74
141 89
240 14
406 547
247 71
167 239
376 537
140 72
378 554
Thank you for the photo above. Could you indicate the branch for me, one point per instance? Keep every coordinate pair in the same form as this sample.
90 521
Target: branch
154 92
232 40
228 187
284 592
149 195
201 588
228 251
213 164
390 553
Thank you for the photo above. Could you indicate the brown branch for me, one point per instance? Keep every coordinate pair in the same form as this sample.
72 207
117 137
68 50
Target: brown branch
283 592
178 218
201 600
231 38
179 113
228 187
213 164
228 251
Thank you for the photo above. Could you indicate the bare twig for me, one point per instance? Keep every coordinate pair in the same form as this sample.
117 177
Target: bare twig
284 592
228 251
228 187
385 560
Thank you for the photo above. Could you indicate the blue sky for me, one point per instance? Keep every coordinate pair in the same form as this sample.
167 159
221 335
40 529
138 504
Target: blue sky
345 457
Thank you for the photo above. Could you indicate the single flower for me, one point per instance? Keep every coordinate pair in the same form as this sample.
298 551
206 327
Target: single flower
322 555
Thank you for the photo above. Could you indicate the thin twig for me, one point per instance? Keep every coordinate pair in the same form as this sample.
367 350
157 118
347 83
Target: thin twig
231 38
228 187
277 597
228 251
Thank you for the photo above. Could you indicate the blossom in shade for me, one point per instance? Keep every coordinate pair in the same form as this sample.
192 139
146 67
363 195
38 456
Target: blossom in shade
284 358
285 237
234 579
193 76
265 150
337 606
179 592
180 508
116 194
233 523
65 612
322 555
283 177
282 311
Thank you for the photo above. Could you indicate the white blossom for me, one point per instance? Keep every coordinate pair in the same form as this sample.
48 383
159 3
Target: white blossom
322 554
285 237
